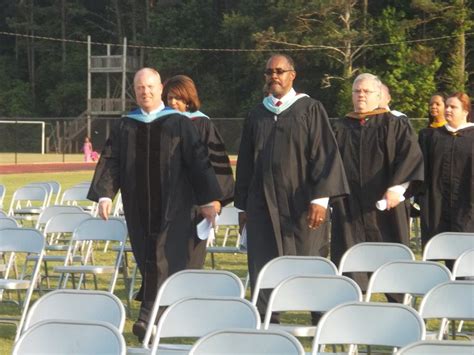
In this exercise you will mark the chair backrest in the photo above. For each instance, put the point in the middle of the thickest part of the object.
(384, 324)
(2, 194)
(369, 256)
(70, 337)
(229, 216)
(317, 293)
(278, 269)
(3, 214)
(48, 187)
(26, 241)
(247, 341)
(194, 283)
(448, 246)
(97, 229)
(77, 305)
(8, 222)
(28, 194)
(56, 186)
(196, 317)
(65, 222)
(464, 264)
(54, 210)
(430, 347)
(451, 300)
(21, 240)
(76, 194)
(407, 276)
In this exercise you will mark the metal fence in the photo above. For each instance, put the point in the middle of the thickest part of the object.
(18, 141)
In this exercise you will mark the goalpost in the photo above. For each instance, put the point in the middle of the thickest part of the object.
(43, 130)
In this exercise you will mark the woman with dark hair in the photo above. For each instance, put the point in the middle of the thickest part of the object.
(180, 93)
(435, 116)
(449, 164)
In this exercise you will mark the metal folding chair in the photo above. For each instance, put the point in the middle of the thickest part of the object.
(20, 242)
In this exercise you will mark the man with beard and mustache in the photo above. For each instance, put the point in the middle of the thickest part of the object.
(384, 164)
(155, 157)
(288, 167)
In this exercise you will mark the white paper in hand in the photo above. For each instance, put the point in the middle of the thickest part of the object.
(204, 228)
(243, 238)
(382, 204)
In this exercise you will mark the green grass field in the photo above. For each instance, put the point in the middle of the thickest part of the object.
(234, 263)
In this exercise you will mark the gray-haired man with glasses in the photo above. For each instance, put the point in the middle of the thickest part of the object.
(384, 165)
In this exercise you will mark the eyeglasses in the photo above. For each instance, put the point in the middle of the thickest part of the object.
(277, 71)
(366, 92)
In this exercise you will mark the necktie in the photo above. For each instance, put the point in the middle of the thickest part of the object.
(278, 103)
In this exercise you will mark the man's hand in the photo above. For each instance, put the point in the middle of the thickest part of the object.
(316, 215)
(393, 199)
(105, 207)
(217, 206)
(242, 221)
(209, 213)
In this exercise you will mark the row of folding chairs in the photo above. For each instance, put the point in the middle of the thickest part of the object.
(29, 201)
(293, 293)
(97, 337)
(380, 324)
(77, 259)
(58, 223)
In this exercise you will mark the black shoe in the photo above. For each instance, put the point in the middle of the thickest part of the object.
(139, 329)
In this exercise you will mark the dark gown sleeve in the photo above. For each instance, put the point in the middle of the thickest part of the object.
(424, 138)
(218, 157)
(106, 180)
(408, 158)
(245, 166)
(201, 173)
(327, 175)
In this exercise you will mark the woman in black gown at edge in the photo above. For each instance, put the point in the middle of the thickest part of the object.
(180, 93)
(450, 170)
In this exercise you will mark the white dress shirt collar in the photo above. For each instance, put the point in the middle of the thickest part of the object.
(453, 130)
(161, 107)
(288, 96)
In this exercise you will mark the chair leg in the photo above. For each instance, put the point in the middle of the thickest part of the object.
(213, 263)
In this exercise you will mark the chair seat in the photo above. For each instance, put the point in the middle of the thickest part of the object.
(58, 258)
(295, 329)
(163, 349)
(86, 269)
(57, 247)
(27, 213)
(174, 349)
(226, 250)
(131, 351)
(12, 284)
(166, 349)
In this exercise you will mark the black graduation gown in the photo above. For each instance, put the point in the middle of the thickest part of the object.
(162, 170)
(378, 152)
(424, 137)
(282, 165)
(450, 181)
(219, 159)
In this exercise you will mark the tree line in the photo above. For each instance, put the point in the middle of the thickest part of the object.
(417, 47)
